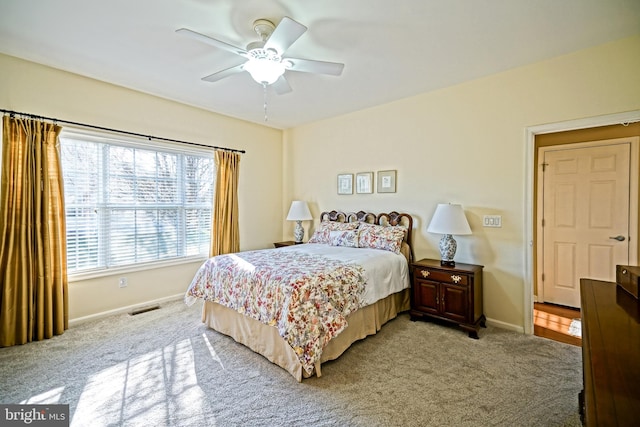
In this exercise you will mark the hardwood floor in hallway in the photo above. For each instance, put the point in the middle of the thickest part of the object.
(555, 322)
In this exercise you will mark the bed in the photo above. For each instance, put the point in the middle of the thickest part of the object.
(302, 305)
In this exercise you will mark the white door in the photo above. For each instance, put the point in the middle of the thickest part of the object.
(585, 217)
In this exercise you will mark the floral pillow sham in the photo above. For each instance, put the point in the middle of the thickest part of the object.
(322, 233)
(344, 238)
(381, 237)
(360, 235)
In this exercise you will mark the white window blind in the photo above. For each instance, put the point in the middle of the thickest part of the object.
(129, 203)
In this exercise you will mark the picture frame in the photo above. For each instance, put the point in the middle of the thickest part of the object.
(387, 181)
(364, 182)
(345, 183)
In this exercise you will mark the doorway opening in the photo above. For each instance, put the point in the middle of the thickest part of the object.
(579, 131)
(586, 213)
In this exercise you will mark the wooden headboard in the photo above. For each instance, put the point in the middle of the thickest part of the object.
(386, 219)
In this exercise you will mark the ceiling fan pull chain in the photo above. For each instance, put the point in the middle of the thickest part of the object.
(264, 85)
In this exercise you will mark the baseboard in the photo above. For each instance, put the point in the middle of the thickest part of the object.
(127, 309)
(505, 325)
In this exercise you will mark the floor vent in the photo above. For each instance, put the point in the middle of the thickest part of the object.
(144, 309)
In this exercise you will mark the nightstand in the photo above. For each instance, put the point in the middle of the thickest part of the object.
(452, 294)
(287, 243)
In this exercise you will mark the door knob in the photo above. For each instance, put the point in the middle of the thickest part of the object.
(618, 238)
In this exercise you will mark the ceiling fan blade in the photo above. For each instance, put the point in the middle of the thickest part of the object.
(311, 66)
(224, 73)
(211, 41)
(281, 86)
(285, 34)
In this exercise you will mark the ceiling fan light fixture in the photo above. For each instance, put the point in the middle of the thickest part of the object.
(264, 65)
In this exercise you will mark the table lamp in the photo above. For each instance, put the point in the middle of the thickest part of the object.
(299, 212)
(448, 219)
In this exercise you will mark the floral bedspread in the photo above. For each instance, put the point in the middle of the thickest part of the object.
(306, 296)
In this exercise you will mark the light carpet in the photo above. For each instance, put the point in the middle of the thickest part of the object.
(165, 368)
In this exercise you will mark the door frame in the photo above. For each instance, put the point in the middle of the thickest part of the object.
(529, 214)
(633, 200)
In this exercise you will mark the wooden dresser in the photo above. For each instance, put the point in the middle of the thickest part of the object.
(452, 294)
(610, 355)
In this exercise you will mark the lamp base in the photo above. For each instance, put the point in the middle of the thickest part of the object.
(298, 232)
(448, 248)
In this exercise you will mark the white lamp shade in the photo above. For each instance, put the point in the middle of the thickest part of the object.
(299, 211)
(449, 219)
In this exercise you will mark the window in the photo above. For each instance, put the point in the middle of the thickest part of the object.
(129, 203)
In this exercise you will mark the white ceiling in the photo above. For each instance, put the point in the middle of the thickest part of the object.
(391, 49)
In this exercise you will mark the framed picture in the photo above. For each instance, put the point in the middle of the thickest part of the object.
(345, 183)
(364, 182)
(386, 181)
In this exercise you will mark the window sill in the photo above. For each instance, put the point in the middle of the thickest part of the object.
(115, 271)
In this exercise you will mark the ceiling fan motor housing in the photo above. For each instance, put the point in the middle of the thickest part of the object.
(264, 65)
(264, 28)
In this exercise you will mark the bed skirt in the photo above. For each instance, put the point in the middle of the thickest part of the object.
(265, 340)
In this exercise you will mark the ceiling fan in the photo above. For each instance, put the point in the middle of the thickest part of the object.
(265, 60)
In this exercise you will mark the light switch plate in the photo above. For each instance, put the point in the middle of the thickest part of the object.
(492, 221)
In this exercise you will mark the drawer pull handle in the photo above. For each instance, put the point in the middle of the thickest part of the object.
(425, 273)
(455, 278)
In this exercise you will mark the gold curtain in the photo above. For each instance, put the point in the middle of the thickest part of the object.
(225, 234)
(33, 254)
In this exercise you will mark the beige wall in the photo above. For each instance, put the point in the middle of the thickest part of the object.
(32, 88)
(464, 144)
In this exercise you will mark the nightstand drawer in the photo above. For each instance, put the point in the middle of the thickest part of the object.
(441, 276)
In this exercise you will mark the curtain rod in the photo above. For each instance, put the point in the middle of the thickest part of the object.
(149, 137)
